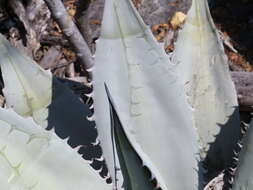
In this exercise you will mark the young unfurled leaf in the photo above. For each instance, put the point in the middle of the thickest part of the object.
(148, 99)
(203, 69)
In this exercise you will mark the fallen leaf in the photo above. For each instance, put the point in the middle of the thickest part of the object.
(177, 20)
(160, 31)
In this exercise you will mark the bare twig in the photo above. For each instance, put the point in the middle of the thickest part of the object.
(74, 36)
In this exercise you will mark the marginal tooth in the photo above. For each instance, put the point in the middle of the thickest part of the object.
(89, 84)
(77, 148)
(90, 161)
(100, 159)
(240, 145)
(107, 176)
(245, 124)
(231, 171)
(52, 130)
(91, 118)
(235, 159)
(236, 153)
(66, 140)
(231, 180)
(96, 142)
(143, 163)
(87, 101)
(243, 131)
(91, 106)
(100, 170)
(90, 95)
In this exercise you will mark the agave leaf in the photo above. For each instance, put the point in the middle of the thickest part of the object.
(135, 175)
(33, 158)
(203, 68)
(147, 98)
(31, 91)
(243, 179)
(28, 96)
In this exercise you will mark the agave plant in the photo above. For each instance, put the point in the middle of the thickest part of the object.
(140, 83)
(149, 111)
(203, 68)
(199, 69)
(43, 101)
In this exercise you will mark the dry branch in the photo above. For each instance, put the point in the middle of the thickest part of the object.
(69, 28)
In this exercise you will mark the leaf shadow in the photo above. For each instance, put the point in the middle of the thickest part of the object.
(135, 174)
(221, 152)
(68, 117)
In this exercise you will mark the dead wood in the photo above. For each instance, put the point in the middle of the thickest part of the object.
(72, 33)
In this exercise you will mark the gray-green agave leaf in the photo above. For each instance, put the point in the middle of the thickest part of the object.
(33, 158)
(33, 92)
(243, 179)
(27, 87)
(147, 97)
(202, 67)
(135, 175)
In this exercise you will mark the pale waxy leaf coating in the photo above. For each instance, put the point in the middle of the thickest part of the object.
(32, 158)
(27, 87)
(203, 68)
(33, 92)
(148, 99)
(135, 175)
